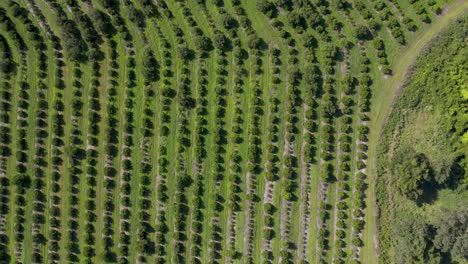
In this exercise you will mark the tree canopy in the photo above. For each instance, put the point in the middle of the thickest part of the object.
(452, 233)
(411, 170)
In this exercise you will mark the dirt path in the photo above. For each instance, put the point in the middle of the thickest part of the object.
(381, 107)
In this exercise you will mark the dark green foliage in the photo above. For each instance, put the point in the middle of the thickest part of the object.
(202, 43)
(309, 41)
(136, 16)
(7, 64)
(221, 42)
(103, 23)
(412, 171)
(185, 53)
(73, 42)
(296, 20)
(411, 240)
(229, 22)
(363, 33)
(460, 247)
(110, 4)
(23, 181)
(266, 7)
(283, 3)
(254, 42)
(452, 233)
(150, 66)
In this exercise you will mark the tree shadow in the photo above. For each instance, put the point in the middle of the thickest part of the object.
(430, 193)
(456, 175)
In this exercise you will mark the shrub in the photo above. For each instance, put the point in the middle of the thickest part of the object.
(150, 66)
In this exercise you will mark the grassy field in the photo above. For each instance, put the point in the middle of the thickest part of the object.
(229, 131)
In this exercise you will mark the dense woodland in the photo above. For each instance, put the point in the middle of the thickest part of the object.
(208, 131)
